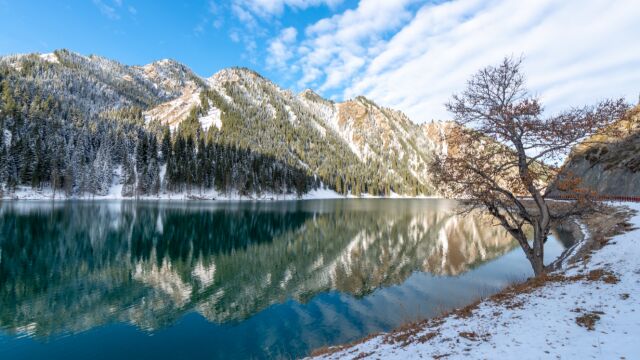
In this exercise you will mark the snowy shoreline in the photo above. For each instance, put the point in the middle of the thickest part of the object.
(25, 193)
(587, 309)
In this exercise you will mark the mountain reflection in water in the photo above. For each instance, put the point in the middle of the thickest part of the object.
(67, 267)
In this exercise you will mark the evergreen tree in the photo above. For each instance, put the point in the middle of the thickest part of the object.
(3, 160)
(128, 178)
(166, 146)
(103, 169)
(142, 163)
(153, 167)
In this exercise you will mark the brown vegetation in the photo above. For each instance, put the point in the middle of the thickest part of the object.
(589, 319)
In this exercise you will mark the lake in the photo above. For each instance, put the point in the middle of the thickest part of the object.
(235, 280)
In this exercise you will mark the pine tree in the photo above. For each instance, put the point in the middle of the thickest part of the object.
(201, 163)
(153, 168)
(3, 160)
(128, 178)
(103, 169)
(57, 167)
(166, 146)
(142, 163)
(339, 184)
(9, 106)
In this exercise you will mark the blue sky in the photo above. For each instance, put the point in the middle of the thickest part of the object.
(407, 54)
(198, 33)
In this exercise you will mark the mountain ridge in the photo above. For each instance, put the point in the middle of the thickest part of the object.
(353, 147)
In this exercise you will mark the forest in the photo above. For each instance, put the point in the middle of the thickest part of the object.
(48, 143)
(77, 127)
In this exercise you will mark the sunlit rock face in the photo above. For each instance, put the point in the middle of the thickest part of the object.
(608, 164)
(70, 267)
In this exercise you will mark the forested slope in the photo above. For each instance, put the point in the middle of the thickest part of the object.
(79, 125)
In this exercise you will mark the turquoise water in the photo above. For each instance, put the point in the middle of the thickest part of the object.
(227, 280)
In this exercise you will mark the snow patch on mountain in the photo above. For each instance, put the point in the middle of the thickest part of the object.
(50, 57)
(211, 118)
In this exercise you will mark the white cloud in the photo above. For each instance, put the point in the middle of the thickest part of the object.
(337, 48)
(257, 20)
(234, 35)
(216, 13)
(108, 10)
(576, 51)
(111, 8)
(270, 8)
(280, 49)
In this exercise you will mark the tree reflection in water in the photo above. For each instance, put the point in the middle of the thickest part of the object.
(67, 267)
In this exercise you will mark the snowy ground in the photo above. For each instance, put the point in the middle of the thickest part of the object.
(115, 193)
(542, 323)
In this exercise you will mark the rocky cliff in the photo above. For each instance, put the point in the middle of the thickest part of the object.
(609, 162)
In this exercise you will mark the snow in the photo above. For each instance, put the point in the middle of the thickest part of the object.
(212, 118)
(115, 189)
(50, 57)
(7, 137)
(115, 193)
(545, 325)
(291, 115)
(577, 246)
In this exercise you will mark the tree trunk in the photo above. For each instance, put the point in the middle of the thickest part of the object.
(537, 252)
(537, 262)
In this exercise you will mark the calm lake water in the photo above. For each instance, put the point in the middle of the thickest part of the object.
(123, 279)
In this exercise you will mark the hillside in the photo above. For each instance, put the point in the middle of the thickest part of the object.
(86, 125)
(609, 162)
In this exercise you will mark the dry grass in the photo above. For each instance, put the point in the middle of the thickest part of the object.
(441, 356)
(589, 319)
(602, 275)
(326, 350)
(408, 333)
(363, 355)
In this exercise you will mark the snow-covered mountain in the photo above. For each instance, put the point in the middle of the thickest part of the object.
(364, 136)
(352, 147)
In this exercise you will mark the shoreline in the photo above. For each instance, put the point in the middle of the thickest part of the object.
(212, 195)
(494, 325)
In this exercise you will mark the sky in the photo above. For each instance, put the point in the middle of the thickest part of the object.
(410, 55)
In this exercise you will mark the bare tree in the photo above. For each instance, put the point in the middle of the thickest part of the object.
(498, 145)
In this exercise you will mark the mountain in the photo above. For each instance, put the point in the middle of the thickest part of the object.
(87, 125)
(356, 139)
(609, 162)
